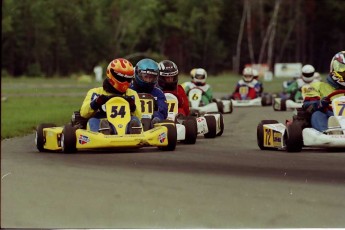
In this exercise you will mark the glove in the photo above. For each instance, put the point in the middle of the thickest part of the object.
(324, 102)
(131, 103)
(98, 102)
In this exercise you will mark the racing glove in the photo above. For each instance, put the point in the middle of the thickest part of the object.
(324, 103)
(131, 103)
(97, 103)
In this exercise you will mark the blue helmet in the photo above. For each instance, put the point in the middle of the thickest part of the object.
(146, 74)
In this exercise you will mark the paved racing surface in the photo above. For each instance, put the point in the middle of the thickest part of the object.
(225, 182)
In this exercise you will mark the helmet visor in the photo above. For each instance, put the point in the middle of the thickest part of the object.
(248, 78)
(199, 76)
(148, 76)
(120, 77)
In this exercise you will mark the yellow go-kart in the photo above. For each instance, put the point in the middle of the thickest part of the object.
(71, 138)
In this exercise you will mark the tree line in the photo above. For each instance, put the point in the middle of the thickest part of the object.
(62, 37)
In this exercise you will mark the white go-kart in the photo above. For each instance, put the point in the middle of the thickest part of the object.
(195, 103)
(298, 133)
(281, 104)
(210, 125)
(244, 91)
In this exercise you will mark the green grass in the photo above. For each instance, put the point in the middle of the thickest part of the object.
(31, 101)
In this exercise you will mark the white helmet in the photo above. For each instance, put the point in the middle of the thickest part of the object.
(255, 74)
(200, 77)
(308, 73)
(247, 74)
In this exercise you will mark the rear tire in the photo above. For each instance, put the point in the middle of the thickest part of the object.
(266, 99)
(40, 139)
(68, 139)
(260, 133)
(212, 127)
(191, 131)
(294, 137)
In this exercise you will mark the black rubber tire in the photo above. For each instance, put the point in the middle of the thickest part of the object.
(191, 131)
(221, 120)
(283, 105)
(68, 139)
(294, 137)
(260, 133)
(266, 100)
(212, 127)
(172, 138)
(40, 138)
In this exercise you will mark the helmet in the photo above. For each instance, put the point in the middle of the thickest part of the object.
(308, 73)
(255, 74)
(168, 75)
(248, 74)
(317, 76)
(120, 73)
(192, 73)
(200, 77)
(337, 68)
(146, 74)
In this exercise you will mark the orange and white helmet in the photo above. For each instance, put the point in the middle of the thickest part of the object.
(247, 74)
(120, 73)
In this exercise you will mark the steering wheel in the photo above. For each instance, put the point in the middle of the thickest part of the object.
(339, 91)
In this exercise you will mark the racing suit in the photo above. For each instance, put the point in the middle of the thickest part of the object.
(252, 94)
(313, 95)
(87, 112)
(294, 89)
(207, 93)
(161, 106)
(183, 104)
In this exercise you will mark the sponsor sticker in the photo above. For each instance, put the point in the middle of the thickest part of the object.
(83, 139)
(162, 137)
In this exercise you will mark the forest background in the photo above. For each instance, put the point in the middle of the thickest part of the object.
(62, 37)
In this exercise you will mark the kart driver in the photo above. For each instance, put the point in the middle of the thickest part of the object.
(146, 77)
(314, 94)
(248, 81)
(199, 81)
(308, 77)
(119, 76)
(168, 82)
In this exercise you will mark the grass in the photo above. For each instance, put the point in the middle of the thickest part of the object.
(31, 101)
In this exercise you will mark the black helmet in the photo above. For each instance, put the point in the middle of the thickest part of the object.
(168, 75)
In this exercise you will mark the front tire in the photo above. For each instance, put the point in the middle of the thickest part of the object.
(294, 137)
(172, 138)
(68, 139)
(191, 131)
(260, 133)
(40, 139)
(212, 127)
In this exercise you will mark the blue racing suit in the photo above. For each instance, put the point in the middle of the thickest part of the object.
(161, 106)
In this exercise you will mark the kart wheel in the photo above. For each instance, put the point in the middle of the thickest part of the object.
(221, 124)
(191, 131)
(260, 133)
(220, 106)
(231, 107)
(40, 139)
(266, 100)
(146, 122)
(283, 105)
(212, 127)
(68, 139)
(172, 138)
(294, 138)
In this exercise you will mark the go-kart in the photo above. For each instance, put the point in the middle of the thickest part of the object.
(264, 100)
(73, 136)
(298, 133)
(186, 130)
(217, 105)
(283, 104)
(210, 125)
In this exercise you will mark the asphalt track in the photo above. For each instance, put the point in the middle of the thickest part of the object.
(225, 182)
